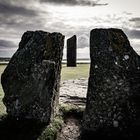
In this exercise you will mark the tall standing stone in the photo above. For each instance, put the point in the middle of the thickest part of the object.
(113, 98)
(71, 51)
(31, 79)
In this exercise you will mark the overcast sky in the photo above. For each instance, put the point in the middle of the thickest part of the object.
(69, 17)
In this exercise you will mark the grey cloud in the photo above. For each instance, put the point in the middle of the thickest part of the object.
(136, 47)
(16, 17)
(132, 33)
(71, 2)
(127, 13)
(14, 13)
(76, 2)
(6, 44)
(15, 26)
(7, 48)
(7, 8)
(83, 41)
(7, 53)
(136, 21)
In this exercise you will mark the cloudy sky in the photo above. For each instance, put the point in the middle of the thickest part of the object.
(68, 17)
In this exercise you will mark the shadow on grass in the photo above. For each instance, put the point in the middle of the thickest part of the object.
(22, 129)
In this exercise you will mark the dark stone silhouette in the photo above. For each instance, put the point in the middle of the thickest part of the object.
(113, 98)
(31, 80)
(71, 51)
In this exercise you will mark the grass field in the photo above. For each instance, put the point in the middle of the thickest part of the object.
(81, 71)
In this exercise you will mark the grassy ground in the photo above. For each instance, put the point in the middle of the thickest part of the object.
(81, 71)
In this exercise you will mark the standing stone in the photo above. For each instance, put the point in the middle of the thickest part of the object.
(31, 79)
(71, 51)
(113, 98)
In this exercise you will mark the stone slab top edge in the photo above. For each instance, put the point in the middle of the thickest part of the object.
(74, 36)
(42, 32)
(109, 29)
(115, 30)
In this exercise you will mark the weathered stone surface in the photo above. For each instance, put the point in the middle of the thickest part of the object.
(31, 79)
(71, 51)
(113, 98)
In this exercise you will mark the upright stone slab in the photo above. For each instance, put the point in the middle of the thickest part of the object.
(71, 51)
(113, 98)
(32, 78)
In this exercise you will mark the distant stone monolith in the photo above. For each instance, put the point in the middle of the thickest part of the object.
(113, 98)
(71, 51)
(32, 78)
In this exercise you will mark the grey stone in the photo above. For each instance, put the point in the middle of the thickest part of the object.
(113, 97)
(31, 80)
(71, 51)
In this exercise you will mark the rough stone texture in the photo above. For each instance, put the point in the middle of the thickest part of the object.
(113, 98)
(74, 92)
(31, 80)
(71, 51)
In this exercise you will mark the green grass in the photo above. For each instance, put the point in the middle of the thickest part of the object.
(51, 131)
(81, 71)
(67, 110)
